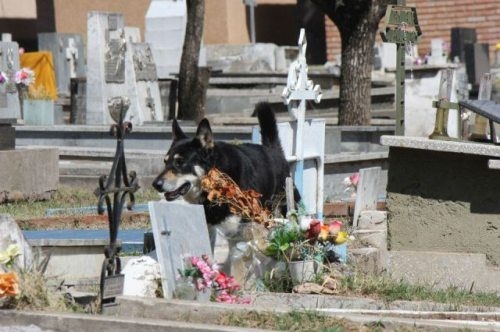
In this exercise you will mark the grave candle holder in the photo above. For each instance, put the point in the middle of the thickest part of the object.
(111, 278)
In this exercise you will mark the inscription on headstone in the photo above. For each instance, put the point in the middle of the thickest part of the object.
(10, 87)
(114, 60)
(142, 80)
(144, 66)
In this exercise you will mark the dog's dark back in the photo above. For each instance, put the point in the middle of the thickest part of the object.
(261, 167)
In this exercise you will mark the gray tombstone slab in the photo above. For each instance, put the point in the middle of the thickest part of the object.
(179, 230)
(106, 53)
(144, 91)
(9, 98)
(68, 56)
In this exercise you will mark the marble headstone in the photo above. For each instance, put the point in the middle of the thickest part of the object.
(9, 97)
(165, 25)
(68, 56)
(144, 92)
(106, 52)
(180, 231)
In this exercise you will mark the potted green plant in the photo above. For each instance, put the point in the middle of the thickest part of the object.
(288, 244)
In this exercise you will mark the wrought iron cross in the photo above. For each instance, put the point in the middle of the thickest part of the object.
(111, 277)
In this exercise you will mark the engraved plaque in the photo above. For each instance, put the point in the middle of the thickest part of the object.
(10, 86)
(144, 66)
(113, 286)
(113, 22)
(114, 63)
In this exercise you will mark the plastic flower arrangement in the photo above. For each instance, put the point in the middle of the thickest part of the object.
(25, 76)
(351, 184)
(207, 278)
(302, 237)
(3, 78)
(8, 280)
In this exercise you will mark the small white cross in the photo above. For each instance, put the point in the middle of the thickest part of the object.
(298, 90)
(72, 57)
(299, 87)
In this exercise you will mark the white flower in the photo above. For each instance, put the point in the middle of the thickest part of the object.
(8, 255)
(305, 223)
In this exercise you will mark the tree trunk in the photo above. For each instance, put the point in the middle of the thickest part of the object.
(355, 75)
(357, 21)
(192, 86)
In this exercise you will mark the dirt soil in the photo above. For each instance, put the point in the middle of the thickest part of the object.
(130, 220)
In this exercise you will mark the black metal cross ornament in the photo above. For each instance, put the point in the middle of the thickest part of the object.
(111, 278)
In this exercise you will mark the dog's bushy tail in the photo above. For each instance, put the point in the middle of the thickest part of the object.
(268, 126)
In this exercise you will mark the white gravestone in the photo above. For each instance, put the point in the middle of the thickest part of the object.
(9, 97)
(179, 230)
(68, 56)
(144, 92)
(165, 28)
(306, 146)
(106, 52)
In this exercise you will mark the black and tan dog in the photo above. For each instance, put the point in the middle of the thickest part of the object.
(262, 168)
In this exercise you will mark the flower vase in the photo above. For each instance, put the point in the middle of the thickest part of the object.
(185, 289)
(302, 271)
(203, 295)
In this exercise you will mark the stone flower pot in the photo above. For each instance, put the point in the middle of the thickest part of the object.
(302, 271)
(38, 112)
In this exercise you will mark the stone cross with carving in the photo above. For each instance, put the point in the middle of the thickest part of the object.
(72, 57)
(298, 91)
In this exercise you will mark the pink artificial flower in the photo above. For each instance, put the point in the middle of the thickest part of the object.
(3, 78)
(354, 178)
(335, 227)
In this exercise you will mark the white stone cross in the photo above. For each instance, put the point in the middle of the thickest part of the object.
(298, 90)
(72, 57)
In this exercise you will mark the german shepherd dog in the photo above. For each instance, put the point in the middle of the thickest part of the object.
(262, 168)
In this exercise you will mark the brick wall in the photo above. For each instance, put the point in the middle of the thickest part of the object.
(436, 18)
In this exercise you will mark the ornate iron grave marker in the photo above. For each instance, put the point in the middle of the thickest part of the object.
(401, 27)
(111, 278)
(298, 91)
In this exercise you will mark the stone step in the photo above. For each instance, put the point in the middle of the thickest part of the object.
(467, 271)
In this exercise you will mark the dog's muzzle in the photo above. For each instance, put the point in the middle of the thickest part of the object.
(172, 195)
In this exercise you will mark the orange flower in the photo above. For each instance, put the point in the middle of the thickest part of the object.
(8, 284)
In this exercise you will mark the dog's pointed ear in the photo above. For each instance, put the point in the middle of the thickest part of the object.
(204, 134)
(177, 132)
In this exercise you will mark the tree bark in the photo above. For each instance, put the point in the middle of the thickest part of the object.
(357, 21)
(192, 80)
